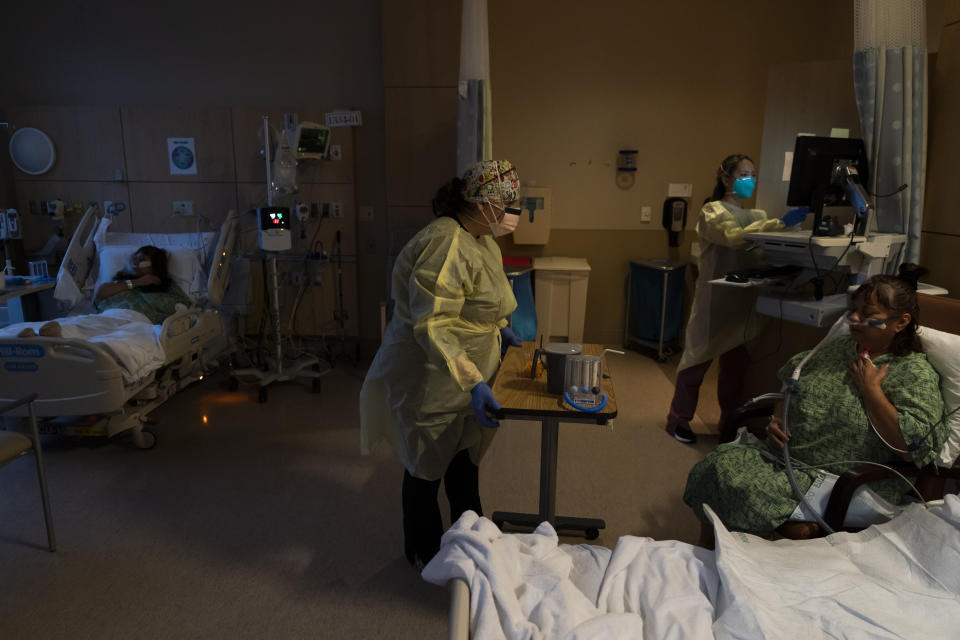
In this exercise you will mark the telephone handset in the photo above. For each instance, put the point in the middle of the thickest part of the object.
(674, 218)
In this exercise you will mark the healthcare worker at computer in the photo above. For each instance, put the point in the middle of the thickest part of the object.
(722, 317)
(426, 391)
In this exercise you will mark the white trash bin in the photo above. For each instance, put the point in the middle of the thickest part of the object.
(561, 298)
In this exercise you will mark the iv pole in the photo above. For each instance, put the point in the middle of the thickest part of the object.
(275, 372)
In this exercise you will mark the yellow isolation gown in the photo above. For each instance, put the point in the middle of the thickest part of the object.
(723, 317)
(451, 298)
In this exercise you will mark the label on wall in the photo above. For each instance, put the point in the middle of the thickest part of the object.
(182, 156)
(343, 119)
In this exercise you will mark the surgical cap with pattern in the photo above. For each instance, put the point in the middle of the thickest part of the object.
(491, 181)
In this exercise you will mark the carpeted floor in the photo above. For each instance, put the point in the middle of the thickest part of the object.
(263, 520)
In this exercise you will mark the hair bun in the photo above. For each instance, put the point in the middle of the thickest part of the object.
(911, 273)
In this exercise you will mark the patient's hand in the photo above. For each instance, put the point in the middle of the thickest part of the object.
(146, 281)
(776, 437)
(866, 375)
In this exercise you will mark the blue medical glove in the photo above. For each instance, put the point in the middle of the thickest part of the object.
(482, 400)
(795, 216)
(508, 339)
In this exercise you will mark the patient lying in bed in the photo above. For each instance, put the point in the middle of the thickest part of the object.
(145, 287)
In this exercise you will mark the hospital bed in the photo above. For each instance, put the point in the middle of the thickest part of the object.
(899, 578)
(122, 376)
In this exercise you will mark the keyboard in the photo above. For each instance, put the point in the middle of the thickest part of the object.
(759, 273)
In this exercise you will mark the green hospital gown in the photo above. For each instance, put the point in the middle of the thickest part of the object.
(156, 305)
(748, 488)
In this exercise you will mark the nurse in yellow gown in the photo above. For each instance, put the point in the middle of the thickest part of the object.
(722, 318)
(427, 391)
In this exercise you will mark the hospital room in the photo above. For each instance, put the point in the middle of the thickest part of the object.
(480, 319)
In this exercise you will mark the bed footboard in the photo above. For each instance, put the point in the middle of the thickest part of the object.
(71, 377)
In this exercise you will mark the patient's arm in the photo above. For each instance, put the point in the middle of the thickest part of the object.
(879, 409)
(108, 289)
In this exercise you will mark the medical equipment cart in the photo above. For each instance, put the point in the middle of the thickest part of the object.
(655, 305)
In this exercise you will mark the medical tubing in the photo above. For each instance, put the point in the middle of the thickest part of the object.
(788, 389)
(569, 400)
(788, 467)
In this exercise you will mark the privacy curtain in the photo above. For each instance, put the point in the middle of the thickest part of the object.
(890, 81)
(474, 135)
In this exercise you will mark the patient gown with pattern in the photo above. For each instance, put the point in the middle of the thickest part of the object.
(452, 298)
(746, 485)
(156, 305)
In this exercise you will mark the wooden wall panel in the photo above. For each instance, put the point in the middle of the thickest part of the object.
(151, 205)
(941, 211)
(247, 128)
(808, 97)
(88, 141)
(38, 226)
(952, 12)
(421, 43)
(939, 254)
(421, 143)
(146, 129)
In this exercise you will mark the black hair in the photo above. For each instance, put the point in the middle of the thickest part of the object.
(449, 200)
(725, 170)
(899, 295)
(158, 266)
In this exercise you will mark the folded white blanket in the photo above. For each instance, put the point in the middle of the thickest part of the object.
(527, 586)
(127, 335)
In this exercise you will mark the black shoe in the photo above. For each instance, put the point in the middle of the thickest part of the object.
(683, 434)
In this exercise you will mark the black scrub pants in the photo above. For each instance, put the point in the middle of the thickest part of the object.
(422, 524)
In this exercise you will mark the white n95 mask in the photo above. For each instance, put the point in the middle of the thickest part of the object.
(506, 226)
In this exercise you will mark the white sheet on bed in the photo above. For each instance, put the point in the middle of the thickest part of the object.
(127, 335)
(900, 579)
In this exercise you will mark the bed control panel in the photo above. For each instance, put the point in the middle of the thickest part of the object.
(274, 228)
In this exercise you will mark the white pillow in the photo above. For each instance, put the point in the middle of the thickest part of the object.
(943, 352)
(182, 265)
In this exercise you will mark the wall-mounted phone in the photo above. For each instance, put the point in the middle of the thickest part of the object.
(674, 218)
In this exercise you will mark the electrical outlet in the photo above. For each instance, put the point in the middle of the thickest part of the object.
(336, 210)
(182, 207)
(645, 214)
(335, 153)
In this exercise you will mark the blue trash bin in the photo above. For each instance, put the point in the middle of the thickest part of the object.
(523, 320)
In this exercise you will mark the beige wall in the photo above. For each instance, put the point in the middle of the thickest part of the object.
(210, 56)
(685, 83)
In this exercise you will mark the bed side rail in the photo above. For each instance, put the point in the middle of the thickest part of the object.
(189, 330)
(219, 267)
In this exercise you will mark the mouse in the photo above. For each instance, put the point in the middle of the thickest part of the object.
(736, 277)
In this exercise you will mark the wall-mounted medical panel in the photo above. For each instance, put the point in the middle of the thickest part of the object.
(39, 225)
(152, 206)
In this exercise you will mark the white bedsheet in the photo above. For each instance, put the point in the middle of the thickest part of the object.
(127, 335)
(900, 579)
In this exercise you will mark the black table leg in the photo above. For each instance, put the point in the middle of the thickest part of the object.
(549, 443)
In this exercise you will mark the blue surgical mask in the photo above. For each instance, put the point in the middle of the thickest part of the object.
(743, 187)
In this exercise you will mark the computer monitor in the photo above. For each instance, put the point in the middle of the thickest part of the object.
(819, 177)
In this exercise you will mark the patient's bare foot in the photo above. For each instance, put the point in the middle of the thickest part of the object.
(27, 333)
(51, 330)
(799, 530)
